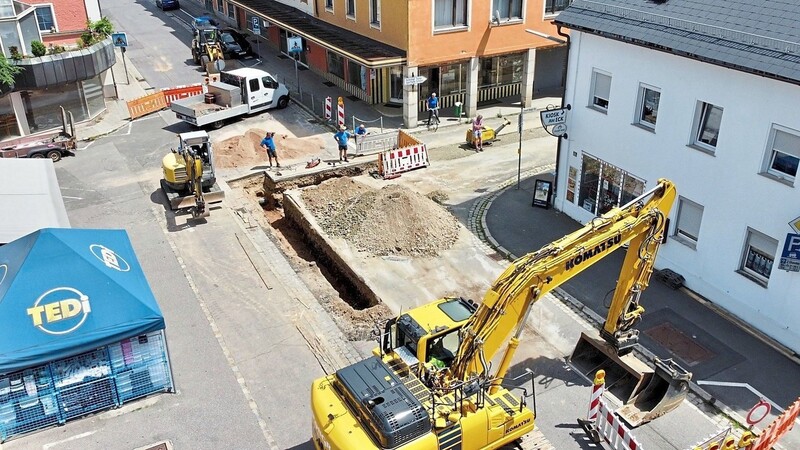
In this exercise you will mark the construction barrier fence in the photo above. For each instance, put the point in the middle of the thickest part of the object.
(157, 101)
(395, 162)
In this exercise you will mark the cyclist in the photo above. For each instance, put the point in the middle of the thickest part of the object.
(433, 108)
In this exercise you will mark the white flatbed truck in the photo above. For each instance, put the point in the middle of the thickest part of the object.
(238, 92)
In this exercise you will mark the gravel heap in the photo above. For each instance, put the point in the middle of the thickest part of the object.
(388, 221)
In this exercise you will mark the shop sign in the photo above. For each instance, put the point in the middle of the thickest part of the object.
(790, 257)
(553, 116)
(109, 257)
(559, 129)
(57, 311)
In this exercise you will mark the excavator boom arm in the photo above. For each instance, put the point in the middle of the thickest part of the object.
(641, 223)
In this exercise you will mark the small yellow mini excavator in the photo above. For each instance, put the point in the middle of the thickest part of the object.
(189, 181)
(431, 384)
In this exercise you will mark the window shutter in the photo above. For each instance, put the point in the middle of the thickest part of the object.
(602, 86)
(691, 217)
(763, 243)
(787, 143)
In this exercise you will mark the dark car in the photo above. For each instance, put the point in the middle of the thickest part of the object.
(168, 4)
(241, 48)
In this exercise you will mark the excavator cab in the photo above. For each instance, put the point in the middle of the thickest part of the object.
(189, 178)
(646, 392)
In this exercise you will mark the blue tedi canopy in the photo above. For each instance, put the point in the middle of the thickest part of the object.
(65, 291)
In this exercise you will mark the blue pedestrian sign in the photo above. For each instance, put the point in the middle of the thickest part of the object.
(294, 44)
(790, 257)
(119, 39)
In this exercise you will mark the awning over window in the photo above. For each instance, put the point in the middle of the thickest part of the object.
(365, 51)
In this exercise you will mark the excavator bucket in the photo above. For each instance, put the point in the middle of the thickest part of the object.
(188, 201)
(646, 393)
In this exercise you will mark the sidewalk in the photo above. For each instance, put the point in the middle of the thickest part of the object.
(677, 324)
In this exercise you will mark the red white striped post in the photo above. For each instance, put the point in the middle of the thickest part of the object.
(597, 392)
(327, 108)
(340, 112)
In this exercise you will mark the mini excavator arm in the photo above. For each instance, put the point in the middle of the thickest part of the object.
(506, 305)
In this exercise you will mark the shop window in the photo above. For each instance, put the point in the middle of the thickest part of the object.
(351, 7)
(555, 6)
(453, 79)
(449, 14)
(647, 106)
(707, 123)
(783, 155)
(690, 215)
(604, 186)
(500, 70)
(375, 12)
(601, 90)
(42, 106)
(44, 17)
(93, 95)
(336, 65)
(8, 120)
(758, 256)
(354, 74)
(231, 11)
(505, 10)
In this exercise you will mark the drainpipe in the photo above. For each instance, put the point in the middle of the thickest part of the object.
(563, 99)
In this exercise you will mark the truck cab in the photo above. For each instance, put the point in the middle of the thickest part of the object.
(259, 89)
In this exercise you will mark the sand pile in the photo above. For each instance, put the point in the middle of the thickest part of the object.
(244, 151)
(388, 221)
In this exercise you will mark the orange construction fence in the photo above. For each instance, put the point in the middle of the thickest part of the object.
(159, 100)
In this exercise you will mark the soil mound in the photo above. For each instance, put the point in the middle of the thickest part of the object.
(240, 151)
(388, 221)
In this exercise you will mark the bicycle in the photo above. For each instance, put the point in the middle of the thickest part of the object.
(433, 114)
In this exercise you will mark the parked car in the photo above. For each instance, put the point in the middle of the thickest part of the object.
(240, 39)
(168, 4)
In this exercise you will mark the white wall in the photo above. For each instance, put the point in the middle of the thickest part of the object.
(727, 184)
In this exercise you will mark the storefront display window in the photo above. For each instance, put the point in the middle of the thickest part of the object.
(500, 70)
(604, 186)
(336, 65)
(453, 79)
(354, 73)
(41, 106)
(93, 95)
(8, 120)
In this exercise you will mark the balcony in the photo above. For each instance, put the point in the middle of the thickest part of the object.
(64, 68)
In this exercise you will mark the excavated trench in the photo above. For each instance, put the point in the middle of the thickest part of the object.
(341, 291)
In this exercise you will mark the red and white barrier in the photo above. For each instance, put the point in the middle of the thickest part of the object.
(393, 162)
(340, 112)
(603, 424)
(779, 427)
(327, 108)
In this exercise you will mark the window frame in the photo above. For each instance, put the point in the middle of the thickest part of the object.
(510, 18)
(375, 14)
(350, 9)
(749, 272)
(551, 12)
(641, 100)
(593, 91)
(52, 16)
(770, 153)
(679, 233)
(452, 26)
(329, 5)
(702, 113)
(231, 10)
(221, 6)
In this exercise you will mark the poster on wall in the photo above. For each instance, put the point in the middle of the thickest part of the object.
(541, 193)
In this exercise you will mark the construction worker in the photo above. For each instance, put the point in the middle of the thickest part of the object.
(341, 139)
(268, 144)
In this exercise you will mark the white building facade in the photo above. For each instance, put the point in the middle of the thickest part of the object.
(727, 137)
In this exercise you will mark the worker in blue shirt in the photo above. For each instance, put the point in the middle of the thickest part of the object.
(341, 138)
(361, 130)
(268, 144)
(433, 107)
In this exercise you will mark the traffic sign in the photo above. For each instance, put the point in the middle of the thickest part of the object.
(294, 44)
(256, 25)
(790, 257)
(553, 116)
(411, 81)
(119, 39)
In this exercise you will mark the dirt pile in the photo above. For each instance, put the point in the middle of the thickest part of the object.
(241, 151)
(388, 221)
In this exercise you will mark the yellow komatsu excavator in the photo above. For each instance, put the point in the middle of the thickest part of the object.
(430, 385)
(189, 179)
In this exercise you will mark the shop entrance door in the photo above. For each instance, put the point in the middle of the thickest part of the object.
(396, 85)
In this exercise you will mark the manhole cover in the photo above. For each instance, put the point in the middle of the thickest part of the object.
(166, 445)
(678, 343)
